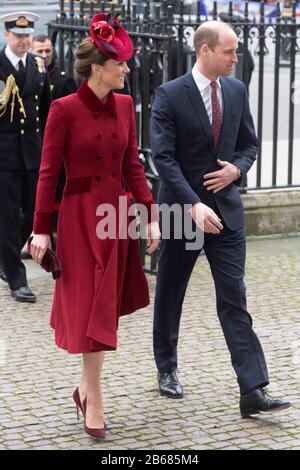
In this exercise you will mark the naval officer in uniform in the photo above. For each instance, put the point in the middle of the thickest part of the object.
(24, 104)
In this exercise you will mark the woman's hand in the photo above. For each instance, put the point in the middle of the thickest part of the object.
(39, 245)
(153, 237)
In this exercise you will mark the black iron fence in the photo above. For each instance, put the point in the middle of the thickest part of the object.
(162, 37)
(162, 34)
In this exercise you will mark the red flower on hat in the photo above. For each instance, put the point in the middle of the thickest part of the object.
(104, 31)
(110, 37)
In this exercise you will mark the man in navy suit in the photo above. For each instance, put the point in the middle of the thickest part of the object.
(203, 141)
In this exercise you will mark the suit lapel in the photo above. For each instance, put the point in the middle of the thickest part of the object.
(30, 78)
(199, 107)
(226, 114)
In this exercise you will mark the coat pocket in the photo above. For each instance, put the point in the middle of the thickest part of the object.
(81, 184)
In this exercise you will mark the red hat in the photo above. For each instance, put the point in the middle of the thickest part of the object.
(109, 36)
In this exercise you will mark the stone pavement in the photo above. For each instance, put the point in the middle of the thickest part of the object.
(37, 379)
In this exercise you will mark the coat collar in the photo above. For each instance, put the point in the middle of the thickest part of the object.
(30, 80)
(93, 103)
(52, 68)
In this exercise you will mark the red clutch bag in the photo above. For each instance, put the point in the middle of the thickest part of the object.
(50, 261)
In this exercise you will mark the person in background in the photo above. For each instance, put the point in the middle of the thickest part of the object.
(24, 105)
(60, 83)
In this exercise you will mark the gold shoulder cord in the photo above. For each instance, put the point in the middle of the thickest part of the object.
(11, 88)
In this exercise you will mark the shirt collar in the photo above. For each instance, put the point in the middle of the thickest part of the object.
(201, 80)
(13, 58)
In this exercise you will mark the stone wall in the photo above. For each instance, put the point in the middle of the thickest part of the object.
(275, 212)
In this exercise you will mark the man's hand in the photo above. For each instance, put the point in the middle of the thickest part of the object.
(219, 179)
(205, 218)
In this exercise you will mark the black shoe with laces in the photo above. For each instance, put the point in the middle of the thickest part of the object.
(23, 294)
(169, 385)
(258, 401)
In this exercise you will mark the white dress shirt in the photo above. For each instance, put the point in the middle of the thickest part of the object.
(14, 59)
(203, 84)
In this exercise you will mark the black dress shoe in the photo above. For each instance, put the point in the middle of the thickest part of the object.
(169, 385)
(258, 401)
(3, 275)
(23, 294)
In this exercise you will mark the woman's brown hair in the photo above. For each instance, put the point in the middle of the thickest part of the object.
(87, 54)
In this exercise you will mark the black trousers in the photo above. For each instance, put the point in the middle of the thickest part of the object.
(17, 202)
(226, 256)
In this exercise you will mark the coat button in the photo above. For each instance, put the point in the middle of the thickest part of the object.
(37, 131)
(22, 121)
(37, 119)
(114, 135)
(98, 178)
(37, 108)
(99, 137)
(22, 131)
(36, 97)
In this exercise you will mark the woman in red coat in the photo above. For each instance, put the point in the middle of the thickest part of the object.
(93, 133)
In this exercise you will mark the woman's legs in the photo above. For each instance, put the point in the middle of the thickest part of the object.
(90, 388)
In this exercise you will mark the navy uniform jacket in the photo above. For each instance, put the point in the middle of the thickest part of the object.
(183, 146)
(21, 140)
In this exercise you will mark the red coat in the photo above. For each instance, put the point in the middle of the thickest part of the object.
(101, 279)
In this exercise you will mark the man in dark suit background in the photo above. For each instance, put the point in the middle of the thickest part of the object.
(25, 101)
(61, 84)
(203, 141)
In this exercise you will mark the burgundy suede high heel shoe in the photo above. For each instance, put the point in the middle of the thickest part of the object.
(99, 433)
(77, 401)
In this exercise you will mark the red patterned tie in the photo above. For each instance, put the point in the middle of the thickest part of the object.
(216, 114)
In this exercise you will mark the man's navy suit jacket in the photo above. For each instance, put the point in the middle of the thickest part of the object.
(183, 146)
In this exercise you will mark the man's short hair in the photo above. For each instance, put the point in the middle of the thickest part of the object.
(205, 35)
(40, 38)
